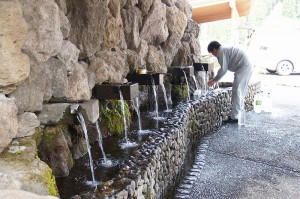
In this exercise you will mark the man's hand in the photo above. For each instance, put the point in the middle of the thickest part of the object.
(211, 82)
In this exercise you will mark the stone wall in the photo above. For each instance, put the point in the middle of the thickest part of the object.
(158, 162)
(57, 50)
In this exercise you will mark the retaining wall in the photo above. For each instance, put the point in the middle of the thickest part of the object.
(157, 163)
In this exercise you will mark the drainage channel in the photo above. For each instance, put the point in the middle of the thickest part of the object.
(193, 171)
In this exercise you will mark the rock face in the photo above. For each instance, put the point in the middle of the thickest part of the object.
(54, 150)
(8, 121)
(13, 194)
(14, 65)
(20, 167)
(57, 50)
(27, 123)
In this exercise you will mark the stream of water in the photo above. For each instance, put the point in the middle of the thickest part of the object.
(187, 84)
(165, 96)
(126, 143)
(84, 129)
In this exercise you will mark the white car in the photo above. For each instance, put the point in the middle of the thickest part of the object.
(283, 62)
(278, 52)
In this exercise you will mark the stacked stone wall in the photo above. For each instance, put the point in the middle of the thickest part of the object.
(158, 162)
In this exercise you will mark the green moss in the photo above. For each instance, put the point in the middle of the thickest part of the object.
(148, 193)
(49, 180)
(179, 91)
(112, 116)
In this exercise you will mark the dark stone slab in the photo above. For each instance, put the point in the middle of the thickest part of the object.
(111, 91)
(146, 79)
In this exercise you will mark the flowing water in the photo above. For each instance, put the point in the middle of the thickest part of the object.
(197, 91)
(127, 143)
(155, 97)
(165, 96)
(106, 162)
(76, 182)
(136, 106)
(84, 129)
(187, 84)
(205, 85)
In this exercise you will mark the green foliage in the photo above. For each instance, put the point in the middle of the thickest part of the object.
(291, 9)
(112, 117)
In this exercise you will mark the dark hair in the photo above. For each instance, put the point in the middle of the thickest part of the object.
(213, 45)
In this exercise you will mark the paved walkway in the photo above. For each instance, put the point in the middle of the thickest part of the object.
(260, 160)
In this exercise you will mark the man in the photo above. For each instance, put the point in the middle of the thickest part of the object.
(234, 60)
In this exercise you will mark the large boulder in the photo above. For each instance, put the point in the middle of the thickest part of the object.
(87, 25)
(156, 60)
(14, 65)
(113, 32)
(132, 20)
(109, 66)
(19, 165)
(27, 123)
(44, 37)
(182, 56)
(54, 150)
(185, 7)
(67, 79)
(137, 58)
(8, 121)
(43, 40)
(155, 29)
(30, 94)
(57, 113)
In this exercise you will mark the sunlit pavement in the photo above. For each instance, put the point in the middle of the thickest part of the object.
(259, 160)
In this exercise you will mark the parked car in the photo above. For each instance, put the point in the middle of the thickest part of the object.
(282, 61)
(279, 53)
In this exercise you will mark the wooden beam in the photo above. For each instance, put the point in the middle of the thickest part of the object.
(207, 11)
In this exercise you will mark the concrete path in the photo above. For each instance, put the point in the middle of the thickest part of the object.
(259, 160)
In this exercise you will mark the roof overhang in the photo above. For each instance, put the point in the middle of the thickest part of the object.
(214, 10)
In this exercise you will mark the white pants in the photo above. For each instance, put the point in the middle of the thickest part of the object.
(239, 89)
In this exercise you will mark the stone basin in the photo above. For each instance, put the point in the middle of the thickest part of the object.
(111, 91)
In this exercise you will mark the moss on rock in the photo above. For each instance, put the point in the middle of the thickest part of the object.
(179, 92)
(27, 169)
(111, 117)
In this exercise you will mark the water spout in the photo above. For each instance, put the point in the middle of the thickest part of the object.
(127, 143)
(197, 90)
(187, 84)
(84, 129)
(137, 110)
(100, 142)
(155, 97)
(124, 116)
(165, 96)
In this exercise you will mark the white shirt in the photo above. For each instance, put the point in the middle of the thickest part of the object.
(232, 59)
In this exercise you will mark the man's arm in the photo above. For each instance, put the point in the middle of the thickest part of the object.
(223, 61)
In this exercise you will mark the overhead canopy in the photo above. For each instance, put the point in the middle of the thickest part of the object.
(213, 10)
